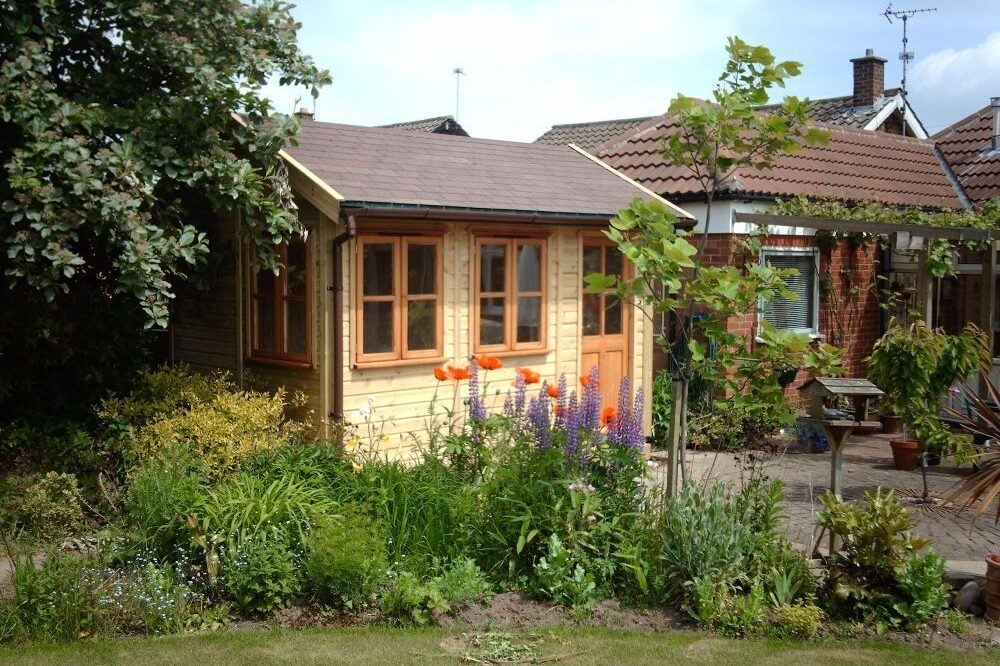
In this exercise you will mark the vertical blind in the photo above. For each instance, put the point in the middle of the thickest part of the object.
(786, 313)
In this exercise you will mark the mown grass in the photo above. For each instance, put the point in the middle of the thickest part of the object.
(435, 646)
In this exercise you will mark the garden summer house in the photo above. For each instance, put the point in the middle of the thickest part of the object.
(423, 249)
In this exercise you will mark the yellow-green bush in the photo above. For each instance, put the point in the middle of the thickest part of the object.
(50, 507)
(160, 393)
(802, 620)
(224, 430)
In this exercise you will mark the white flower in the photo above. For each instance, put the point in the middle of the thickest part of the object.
(364, 410)
(371, 401)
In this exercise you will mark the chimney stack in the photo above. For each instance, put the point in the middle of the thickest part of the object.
(304, 114)
(995, 106)
(869, 79)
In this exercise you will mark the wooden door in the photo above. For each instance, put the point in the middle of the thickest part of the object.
(604, 320)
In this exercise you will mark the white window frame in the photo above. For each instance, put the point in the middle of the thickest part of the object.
(771, 251)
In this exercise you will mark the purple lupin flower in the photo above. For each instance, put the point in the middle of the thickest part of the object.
(477, 406)
(590, 403)
(520, 395)
(561, 402)
(571, 415)
(538, 417)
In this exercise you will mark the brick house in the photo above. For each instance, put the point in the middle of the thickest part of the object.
(878, 151)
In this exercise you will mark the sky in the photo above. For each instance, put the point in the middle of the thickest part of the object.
(532, 64)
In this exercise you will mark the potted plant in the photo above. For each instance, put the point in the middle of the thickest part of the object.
(982, 487)
(915, 365)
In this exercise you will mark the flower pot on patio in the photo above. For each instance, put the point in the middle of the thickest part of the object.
(891, 424)
(905, 453)
(993, 586)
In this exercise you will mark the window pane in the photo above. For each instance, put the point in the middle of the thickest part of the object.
(421, 269)
(788, 313)
(265, 324)
(265, 282)
(612, 315)
(378, 328)
(491, 321)
(591, 259)
(295, 264)
(492, 268)
(529, 319)
(529, 268)
(378, 266)
(591, 314)
(421, 325)
(613, 261)
(295, 328)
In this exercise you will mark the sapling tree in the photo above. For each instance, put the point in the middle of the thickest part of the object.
(713, 140)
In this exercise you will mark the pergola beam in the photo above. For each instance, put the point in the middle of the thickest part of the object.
(827, 224)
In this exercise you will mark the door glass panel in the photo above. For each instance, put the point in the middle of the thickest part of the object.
(612, 261)
(295, 332)
(378, 269)
(295, 264)
(529, 268)
(421, 325)
(491, 321)
(591, 314)
(378, 327)
(492, 268)
(612, 315)
(529, 319)
(265, 323)
(421, 269)
(591, 259)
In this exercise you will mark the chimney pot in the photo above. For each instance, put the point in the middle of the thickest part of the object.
(304, 114)
(995, 105)
(869, 79)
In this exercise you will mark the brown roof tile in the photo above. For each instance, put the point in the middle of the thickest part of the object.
(856, 165)
(393, 167)
(966, 147)
(436, 125)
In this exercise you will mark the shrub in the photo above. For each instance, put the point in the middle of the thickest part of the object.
(802, 620)
(463, 583)
(162, 492)
(56, 600)
(50, 507)
(730, 614)
(346, 561)
(159, 393)
(559, 576)
(730, 428)
(59, 446)
(408, 598)
(877, 576)
(262, 573)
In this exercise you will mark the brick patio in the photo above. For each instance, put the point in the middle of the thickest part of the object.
(962, 537)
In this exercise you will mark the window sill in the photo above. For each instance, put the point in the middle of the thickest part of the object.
(515, 353)
(281, 363)
(393, 363)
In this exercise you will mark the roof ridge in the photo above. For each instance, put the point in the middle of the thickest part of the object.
(418, 120)
(954, 127)
(589, 123)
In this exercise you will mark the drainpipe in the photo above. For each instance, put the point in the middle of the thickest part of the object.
(995, 106)
(338, 318)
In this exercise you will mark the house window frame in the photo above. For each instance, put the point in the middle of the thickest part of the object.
(400, 299)
(280, 355)
(510, 294)
(770, 251)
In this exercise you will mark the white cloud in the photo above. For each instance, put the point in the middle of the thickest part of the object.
(949, 84)
(527, 66)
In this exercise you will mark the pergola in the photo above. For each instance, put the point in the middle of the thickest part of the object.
(907, 236)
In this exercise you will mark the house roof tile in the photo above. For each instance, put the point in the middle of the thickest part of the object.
(393, 167)
(436, 125)
(856, 165)
(966, 147)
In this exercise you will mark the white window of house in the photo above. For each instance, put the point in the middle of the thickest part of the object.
(802, 313)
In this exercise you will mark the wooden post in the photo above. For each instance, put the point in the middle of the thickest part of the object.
(988, 295)
(673, 447)
(925, 286)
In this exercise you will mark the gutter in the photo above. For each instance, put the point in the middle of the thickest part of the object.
(350, 231)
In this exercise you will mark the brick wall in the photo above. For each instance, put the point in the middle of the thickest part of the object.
(849, 313)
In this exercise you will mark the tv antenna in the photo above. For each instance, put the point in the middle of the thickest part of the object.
(459, 73)
(904, 15)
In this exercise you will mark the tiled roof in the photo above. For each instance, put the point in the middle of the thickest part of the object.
(384, 167)
(832, 110)
(856, 165)
(437, 125)
(965, 146)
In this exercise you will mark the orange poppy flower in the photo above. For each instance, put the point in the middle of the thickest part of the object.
(608, 415)
(488, 362)
(556, 409)
(553, 391)
(584, 380)
(440, 374)
(530, 376)
(458, 374)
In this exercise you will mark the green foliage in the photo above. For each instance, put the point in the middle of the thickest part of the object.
(729, 614)
(55, 601)
(345, 560)
(462, 582)
(730, 428)
(110, 168)
(160, 393)
(561, 577)
(49, 507)
(56, 446)
(411, 599)
(957, 622)
(878, 576)
(262, 573)
(661, 405)
(802, 621)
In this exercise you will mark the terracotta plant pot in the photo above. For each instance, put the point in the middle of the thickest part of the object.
(891, 424)
(905, 453)
(993, 586)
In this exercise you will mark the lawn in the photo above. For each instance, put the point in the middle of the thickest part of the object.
(435, 646)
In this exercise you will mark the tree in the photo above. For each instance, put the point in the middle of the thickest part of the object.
(116, 131)
(118, 145)
(713, 140)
